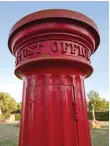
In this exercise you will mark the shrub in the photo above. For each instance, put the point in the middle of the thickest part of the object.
(17, 117)
(100, 116)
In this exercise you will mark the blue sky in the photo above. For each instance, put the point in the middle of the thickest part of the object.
(10, 12)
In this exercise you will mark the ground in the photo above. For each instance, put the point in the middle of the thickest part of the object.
(9, 135)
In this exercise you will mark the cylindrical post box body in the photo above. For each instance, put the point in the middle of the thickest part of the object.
(52, 50)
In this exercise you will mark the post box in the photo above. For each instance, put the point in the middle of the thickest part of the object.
(52, 50)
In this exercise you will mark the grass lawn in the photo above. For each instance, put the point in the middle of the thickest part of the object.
(9, 135)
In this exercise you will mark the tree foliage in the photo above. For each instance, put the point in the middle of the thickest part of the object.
(18, 110)
(7, 103)
(100, 104)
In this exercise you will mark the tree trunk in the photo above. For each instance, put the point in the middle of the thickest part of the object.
(93, 114)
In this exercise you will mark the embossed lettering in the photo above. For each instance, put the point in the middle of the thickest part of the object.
(36, 47)
(81, 51)
(54, 47)
(86, 54)
(30, 52)
(73, 49)
(38, 50)
(65, 47)
(41, 45)
(24, 53)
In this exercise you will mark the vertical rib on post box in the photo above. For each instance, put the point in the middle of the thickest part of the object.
(52, 50)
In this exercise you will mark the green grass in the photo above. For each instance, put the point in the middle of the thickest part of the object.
(100, 137)
(9, 135)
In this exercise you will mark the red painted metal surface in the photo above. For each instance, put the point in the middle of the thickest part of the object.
(52, 50)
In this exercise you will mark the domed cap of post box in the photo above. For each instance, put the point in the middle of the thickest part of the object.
(57, 13)
(55, 35)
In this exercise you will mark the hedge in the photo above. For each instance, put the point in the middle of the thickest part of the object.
(100, 116)
(17, 117)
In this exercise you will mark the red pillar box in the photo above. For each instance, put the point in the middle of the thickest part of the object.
(52, 50)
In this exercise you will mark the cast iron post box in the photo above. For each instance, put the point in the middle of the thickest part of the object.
(52, 50)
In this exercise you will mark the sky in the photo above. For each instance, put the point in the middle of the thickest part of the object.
(11, 12)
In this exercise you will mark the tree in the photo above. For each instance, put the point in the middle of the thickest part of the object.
(91, 108)
(8, 104)
(93, 95)
(100, 104)
(0, 108)
(18, 109)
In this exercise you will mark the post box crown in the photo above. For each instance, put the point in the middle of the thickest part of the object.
(57, 13)
(54, 35)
